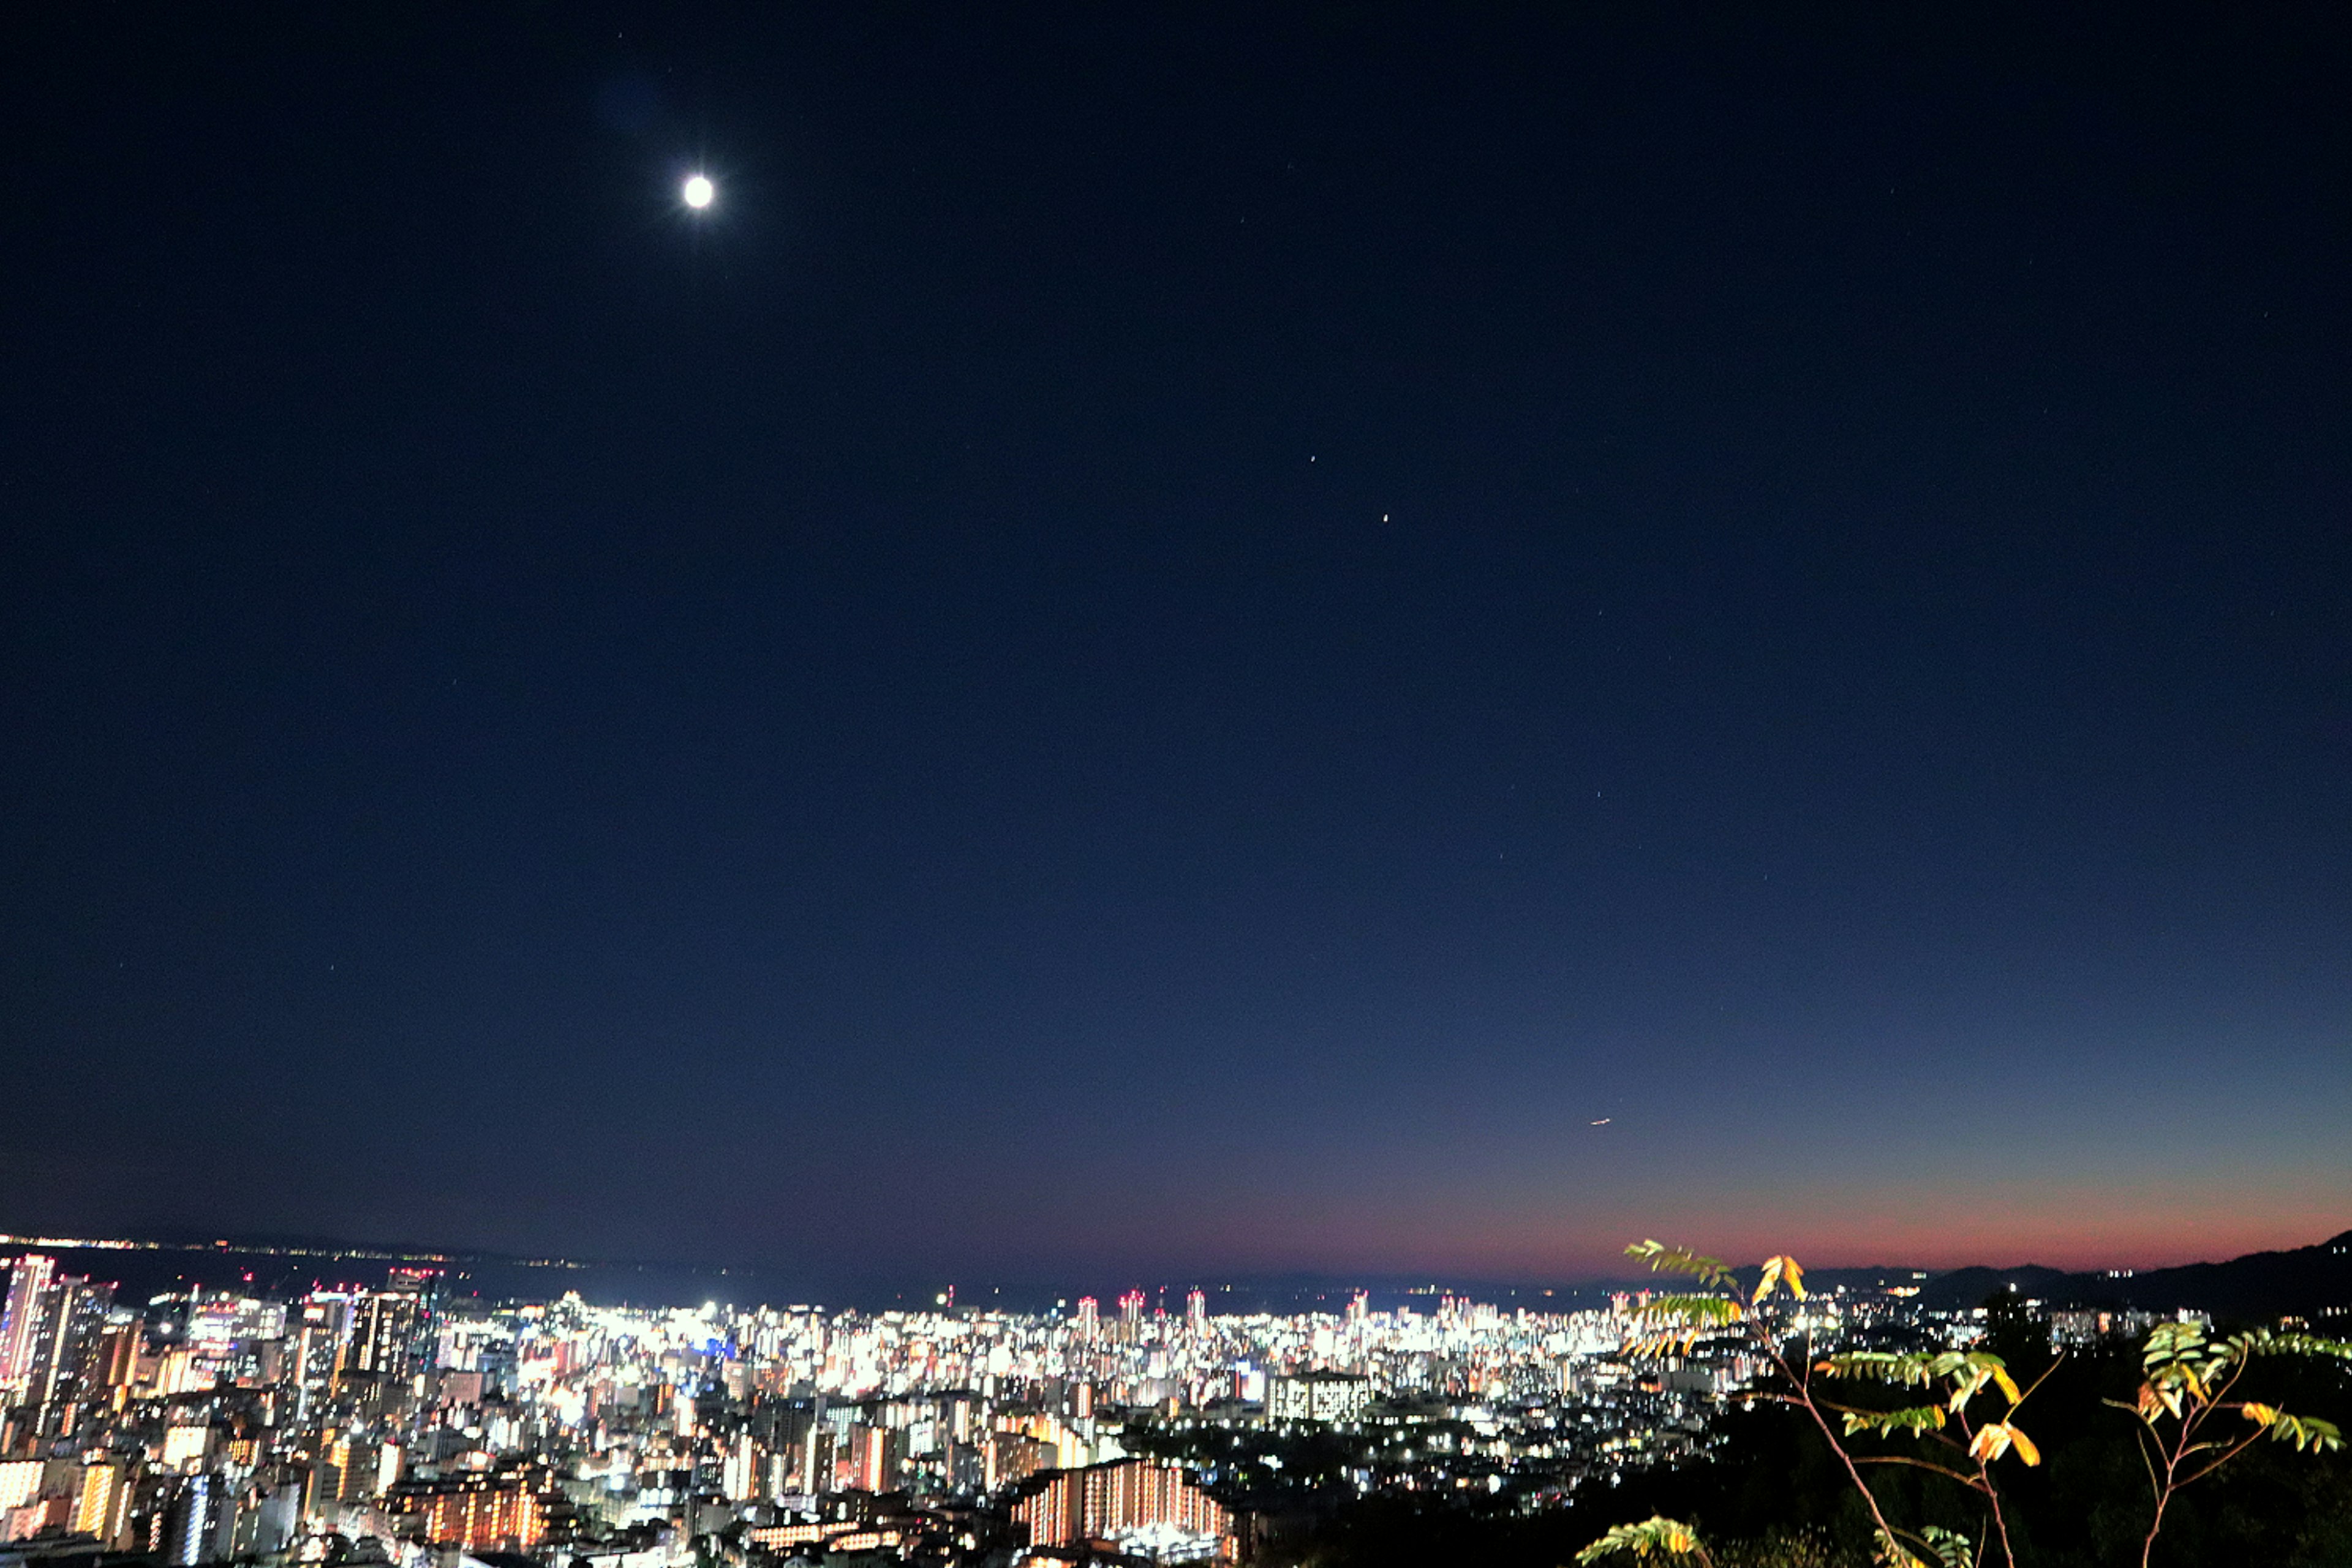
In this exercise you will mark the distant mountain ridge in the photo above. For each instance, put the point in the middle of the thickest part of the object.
(2312, 1282)
(2303, 1281)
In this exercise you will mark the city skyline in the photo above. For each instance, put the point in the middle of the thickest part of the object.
(2294, 1280)
(1172, 644)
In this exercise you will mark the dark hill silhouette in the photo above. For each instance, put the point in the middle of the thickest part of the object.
(1968, 1287)
(2314, 1282)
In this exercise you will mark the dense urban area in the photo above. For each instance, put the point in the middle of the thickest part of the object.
(396, 1421)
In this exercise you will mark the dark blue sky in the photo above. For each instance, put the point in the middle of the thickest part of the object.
(1179, 641)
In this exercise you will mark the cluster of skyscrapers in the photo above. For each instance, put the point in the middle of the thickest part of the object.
(209, 1425)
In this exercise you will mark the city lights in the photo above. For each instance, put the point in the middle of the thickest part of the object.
(213, 1424)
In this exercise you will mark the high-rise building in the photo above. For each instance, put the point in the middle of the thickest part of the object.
(186, 1445)
(20, 1481)
(1009, 1456)
(383, 1327)
(114, 1359)
(319, 1331)
(816, 1460)
(20, 1318)
(1130, 1317)
(504, 1510)
(1141, 1500)
(1318, 1396)
(743, 1474)
(1196, 1313)
(1089, 1316)
(71, 1322)
(870, 1467)
(189, 1523)
(103, 1503)
(268, 1516)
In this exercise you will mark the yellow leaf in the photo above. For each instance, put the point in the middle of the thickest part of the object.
(2261, 1414)
(2024, 1446)
(1991, 1441)
(2008, 1385)
(1780, 1271)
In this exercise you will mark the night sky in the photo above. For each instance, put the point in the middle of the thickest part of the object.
(1176, 641)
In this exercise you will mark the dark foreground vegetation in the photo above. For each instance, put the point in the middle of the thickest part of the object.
(1774, 1494)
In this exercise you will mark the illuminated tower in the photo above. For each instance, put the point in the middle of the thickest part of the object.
(190, 1522)
(1196, 1313)
(72, 1320)
(392, 1331)
(1130, 1317)
(870, 1455)
(1089, 1316)
(20, 1320)
(741, 1473)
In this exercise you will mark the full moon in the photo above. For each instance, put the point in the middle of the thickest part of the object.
(699, 191)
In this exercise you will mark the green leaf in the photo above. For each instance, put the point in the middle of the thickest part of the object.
(1664, 1259)
(2168, 1344)
(2264, 1342)
(1952, 1549)
(1707, 1311)
(1967, 1371)
(1892, 1553)
(1916, 1420)
(1653, 1537)
(1675, 1323)
(2303, 1431)
(1878, 1366)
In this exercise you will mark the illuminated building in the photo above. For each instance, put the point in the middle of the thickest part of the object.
(740, 1475)
(103, 1502)
(185, 1445)
(20, 1319)
(20, 1481)
(1318, 1396)
(872, 1457)
(1196, 1313)
(392, 1328)
(1089, 1316)
(69, 1320)
(268, 1519)
(498, 1511)
(1124, 1498)
(1010, 1457)
(190, 1523)
(113, 1360)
